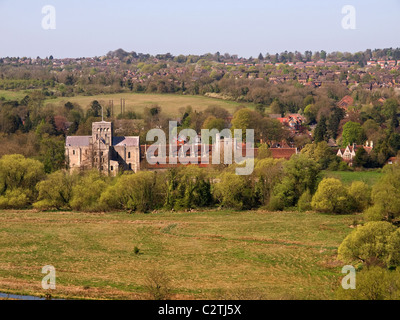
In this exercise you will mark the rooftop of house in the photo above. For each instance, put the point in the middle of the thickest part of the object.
(347, 101)
(283, 153)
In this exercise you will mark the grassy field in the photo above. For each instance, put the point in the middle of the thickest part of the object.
(170, 103)
(207, 255)
(12, 95)
(347, 177)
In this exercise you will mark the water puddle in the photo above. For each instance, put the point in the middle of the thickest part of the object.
(21, 297)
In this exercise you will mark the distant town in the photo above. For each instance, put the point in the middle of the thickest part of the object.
(373, 69)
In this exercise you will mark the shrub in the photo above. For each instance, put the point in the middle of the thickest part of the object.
(15, 199)
(87, 191)
(331, 196)
(134, 192)
(373, 241)
(158, 285)
(385, 196)
(56, 191)
(374, 283)
(267, 173)
(304, 203)
(188, 187)
(374, 213)
(300, 174)
(234, 191)
(18, 178)
(360, 196)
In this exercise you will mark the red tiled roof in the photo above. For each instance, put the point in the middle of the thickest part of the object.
(283, 153)
(346, 102)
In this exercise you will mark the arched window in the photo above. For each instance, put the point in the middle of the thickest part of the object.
(129, 155)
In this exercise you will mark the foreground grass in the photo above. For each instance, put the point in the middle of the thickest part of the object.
(208, 255)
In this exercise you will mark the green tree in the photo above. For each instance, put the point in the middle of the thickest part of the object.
(386, 203)
(244, 119)
(134, 192)
(352, 133)
(333, 123)
(18, 178)
(373, 283)
(56, 191)
(269, 130)
(191, 189)
(213, 123)
(372, 244)
(390, 108)
(234, 191)
(300, 174)
(331, 196)
(52, 153)
(320, 132)
(321, 153)
(360, 196)
(264, 152)
(87, 191)
(267, 173)
(310, 112)
(361, 159)
(304, 203)
(95, 109)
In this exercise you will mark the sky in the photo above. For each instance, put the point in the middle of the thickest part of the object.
(88, 28)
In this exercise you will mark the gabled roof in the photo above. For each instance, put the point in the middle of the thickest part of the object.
(126, 141)
(84, 141)
(77, 141)
(346, 102)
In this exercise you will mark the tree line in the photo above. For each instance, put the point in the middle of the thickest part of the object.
(276, 184)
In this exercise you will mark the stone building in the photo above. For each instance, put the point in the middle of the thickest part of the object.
(101, 150)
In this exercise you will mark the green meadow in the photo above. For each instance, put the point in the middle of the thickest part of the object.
(205, 255)
(136, 102)
(347, 177)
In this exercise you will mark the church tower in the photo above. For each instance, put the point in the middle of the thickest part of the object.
(102, 143)
(102, 133)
